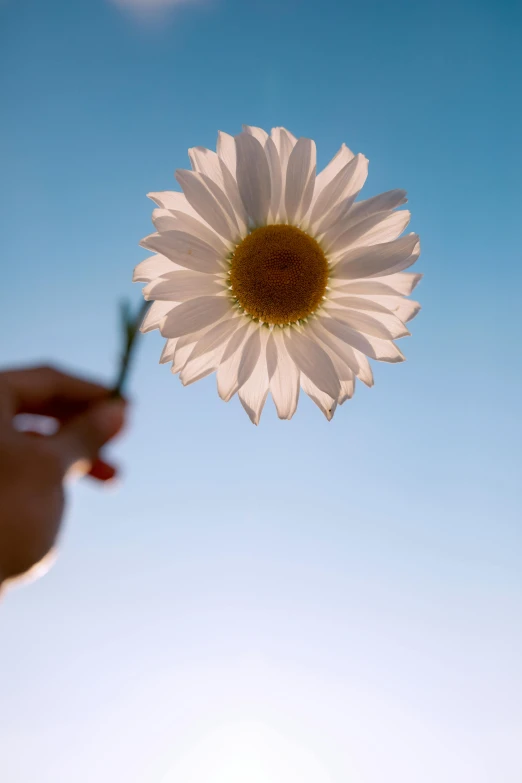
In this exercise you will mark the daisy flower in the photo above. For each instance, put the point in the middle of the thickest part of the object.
(275, 277)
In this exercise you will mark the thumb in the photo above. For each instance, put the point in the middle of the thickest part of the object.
(82, 437)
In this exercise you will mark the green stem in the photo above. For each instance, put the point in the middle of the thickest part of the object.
(131, 328)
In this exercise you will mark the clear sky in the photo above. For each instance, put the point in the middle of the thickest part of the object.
(302, 602)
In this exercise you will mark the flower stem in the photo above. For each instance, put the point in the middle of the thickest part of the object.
(131, 326)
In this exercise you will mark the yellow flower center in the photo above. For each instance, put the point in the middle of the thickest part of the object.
(278, 274)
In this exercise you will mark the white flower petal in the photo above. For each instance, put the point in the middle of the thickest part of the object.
(330, 196)
(365, 373)
(377, 229)
(284, 142)
(153, 267)
(271, 355)
(172, 199)
(329, 225)
(186, 250)
(209, 201)
(232, 191)
(194, 315)
(226, 149)
(346, 376)
(301, 166)
(308, 194)
(206, 162)
(347, 390)
(253, 178)
(184, 347)
(384, 325)
(174, 220)
(164, 220)
(249, 357)
(227, 383)
(333, 345)
(284, 376)
(398, 283)
(247, 328)
(353, 178)
(218, 335)
(190, 338)
(223, 200)
(169, 349)
(405, 263)
(359, 173)
(324, 402)
(378, 259)
(355, 360)
(381, 203)
(202, 231)
(343, 371)
(258, 133)
(199, 367)
(313, 361)
(155, 315)
(355, 302)
(276, 184)
(254, 391)
(183, 285)
(401, 282)
(338, 162)
(376, 348)
(403, 309)
(211, 165)
(339, 188)
(181, 355)
(406, 309)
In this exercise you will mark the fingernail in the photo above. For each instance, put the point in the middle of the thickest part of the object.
(109, 416)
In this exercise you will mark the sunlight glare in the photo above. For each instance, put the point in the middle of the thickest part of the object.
(247, 753)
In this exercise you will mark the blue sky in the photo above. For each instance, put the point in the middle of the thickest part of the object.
(341, 601)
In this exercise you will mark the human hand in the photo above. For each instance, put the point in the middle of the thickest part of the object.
(33, 467)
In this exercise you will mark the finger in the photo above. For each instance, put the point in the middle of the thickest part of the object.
(82, 437)
(47, 392)
(102, 471)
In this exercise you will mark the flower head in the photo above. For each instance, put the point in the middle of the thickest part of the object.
(275, 277)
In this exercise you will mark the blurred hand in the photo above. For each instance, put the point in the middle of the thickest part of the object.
(33, 466)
